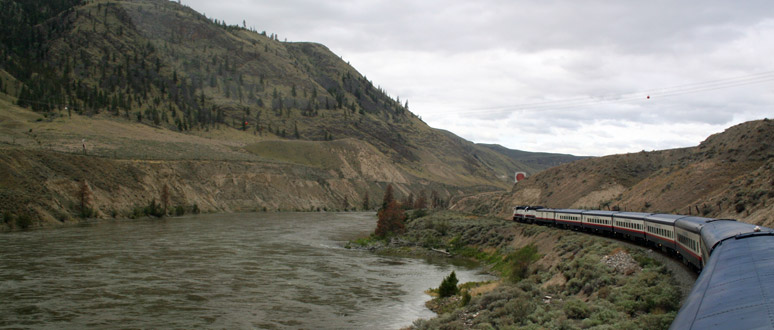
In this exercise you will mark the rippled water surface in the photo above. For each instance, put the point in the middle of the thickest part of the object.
(270, 271)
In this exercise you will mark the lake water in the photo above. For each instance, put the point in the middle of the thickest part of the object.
(231, 271)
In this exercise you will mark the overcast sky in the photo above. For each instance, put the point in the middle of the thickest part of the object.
(580, 77)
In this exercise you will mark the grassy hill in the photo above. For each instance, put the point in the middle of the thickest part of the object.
(151, 85)
(729, 175)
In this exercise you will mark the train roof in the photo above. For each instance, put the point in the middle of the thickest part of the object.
(632, 215)
(692, 224)
(571, 211)
(735, 288)
(716, 231)
(668, 219)
(598, 212)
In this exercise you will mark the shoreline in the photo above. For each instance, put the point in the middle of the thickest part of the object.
(5, 228)
(547, 277)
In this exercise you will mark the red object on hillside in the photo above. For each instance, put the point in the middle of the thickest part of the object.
(520, 176)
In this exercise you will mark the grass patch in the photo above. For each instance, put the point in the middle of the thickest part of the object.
(308, 153)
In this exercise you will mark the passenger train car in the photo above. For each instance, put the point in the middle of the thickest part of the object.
(735, 289)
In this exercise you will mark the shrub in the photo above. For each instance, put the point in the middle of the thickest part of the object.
(154, 209)
(448, 286)
(576, 309)
(739, 207)
(520, 261)
(465, 298)
(23, 221)
(179, 210)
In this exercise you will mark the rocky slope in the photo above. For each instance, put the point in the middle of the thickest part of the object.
(132, 96)
(729, 175)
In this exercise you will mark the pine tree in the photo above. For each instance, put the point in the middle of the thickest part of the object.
(408, 202)
(421, 201)
(435, 201)
(388, 196)
(390, 216)
(366, 201)
(448, 286)
(390, 220)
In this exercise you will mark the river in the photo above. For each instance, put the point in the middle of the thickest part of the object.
(233, 271)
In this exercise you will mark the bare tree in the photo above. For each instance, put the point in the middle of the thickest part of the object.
(85, 196)
(165, 198)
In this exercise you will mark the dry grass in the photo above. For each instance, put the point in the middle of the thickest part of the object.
(728, 175)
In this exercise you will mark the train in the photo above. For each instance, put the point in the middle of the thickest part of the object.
(735, 287)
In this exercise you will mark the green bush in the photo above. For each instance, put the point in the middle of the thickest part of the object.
(520, 261)
(448, 286)
(576, 309)
(88, 212)
(23, 221)
(465, 298)
(179, 210)
(154, 209)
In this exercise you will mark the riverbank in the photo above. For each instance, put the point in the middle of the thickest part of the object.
(549, 278)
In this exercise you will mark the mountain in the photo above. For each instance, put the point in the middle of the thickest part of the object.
(537, 161)
(729, 175)
(125, 99)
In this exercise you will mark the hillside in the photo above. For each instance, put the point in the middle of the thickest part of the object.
(151, 86)
(729, 175)
(537, 161)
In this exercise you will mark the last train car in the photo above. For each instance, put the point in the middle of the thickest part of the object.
(736, 288)
(714, 232)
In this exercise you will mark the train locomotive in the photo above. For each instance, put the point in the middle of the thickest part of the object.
(735, 289)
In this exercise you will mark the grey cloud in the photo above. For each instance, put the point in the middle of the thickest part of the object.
(479, 62)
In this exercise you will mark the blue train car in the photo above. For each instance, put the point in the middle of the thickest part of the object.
(736, 288)
(717, 230)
